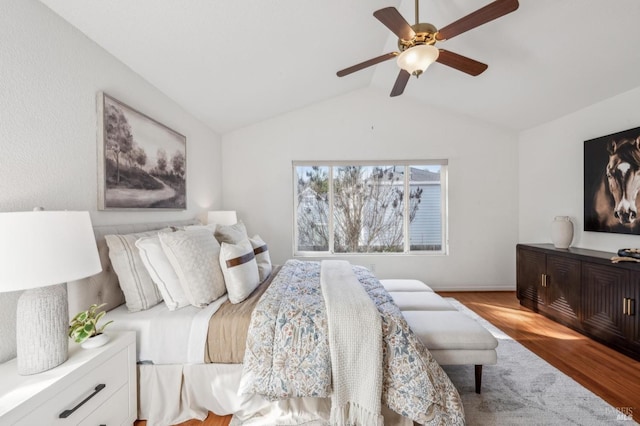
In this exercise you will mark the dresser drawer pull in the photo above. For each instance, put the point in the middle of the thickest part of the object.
(67, 413)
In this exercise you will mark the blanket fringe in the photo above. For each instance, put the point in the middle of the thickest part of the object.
(352, 414)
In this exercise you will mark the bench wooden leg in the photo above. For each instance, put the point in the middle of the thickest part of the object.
(478, 378)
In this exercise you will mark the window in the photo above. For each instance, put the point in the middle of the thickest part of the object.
(362, 208)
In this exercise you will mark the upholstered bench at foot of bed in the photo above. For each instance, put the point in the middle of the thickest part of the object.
(405, 285)
(420, 301)
(454, 339)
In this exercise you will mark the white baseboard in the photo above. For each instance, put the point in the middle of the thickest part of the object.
(473, 288)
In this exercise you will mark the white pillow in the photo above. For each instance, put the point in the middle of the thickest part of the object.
(194, 256)
(231, 234)
(140, 292)
(240, 270)
(263, 259)
(161, 272)
(211, 227)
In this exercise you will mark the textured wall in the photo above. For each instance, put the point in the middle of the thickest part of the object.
(8, 302)
(552, 171)
(368, 125)
(50, 74)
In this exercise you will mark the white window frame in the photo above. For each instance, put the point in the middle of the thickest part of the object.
(443, 163)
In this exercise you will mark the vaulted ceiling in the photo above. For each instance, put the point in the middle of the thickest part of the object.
(233, 63)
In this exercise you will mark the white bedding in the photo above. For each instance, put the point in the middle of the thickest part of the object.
(172, 394)
(167, 337)
(186, 389)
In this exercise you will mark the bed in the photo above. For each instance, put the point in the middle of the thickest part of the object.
(182, 376)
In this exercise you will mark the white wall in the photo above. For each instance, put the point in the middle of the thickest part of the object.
(49, 76)
(368, 125)
(551, 171)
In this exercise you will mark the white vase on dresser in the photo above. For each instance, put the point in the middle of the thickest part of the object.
(562, 232)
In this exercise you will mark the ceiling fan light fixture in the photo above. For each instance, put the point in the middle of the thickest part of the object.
(417, 59)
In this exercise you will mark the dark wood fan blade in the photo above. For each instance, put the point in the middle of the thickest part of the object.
(366, 64)
(481, 16)
(461, 63)
(392, 19)
(400, 84)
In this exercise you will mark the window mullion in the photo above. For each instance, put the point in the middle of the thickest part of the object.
(296, 203)
(407, 202)
(444, 191)
(331, 215)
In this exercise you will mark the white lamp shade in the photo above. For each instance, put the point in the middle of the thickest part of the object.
(417, 59)
(42, 248)
(222, 217)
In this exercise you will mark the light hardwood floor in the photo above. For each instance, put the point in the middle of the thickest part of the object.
(607, 373)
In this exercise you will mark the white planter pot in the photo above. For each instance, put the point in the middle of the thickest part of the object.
(96, 341)
(562, 232)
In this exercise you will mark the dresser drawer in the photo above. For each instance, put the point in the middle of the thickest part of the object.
(113, 374)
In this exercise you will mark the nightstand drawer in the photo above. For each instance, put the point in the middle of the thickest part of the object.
(113, 374)
(113, 412)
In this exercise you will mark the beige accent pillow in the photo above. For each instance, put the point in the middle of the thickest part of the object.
(140, 292)
(231, 234)
(263, 259)
(162, 273)
(194, 256)
(240, 270)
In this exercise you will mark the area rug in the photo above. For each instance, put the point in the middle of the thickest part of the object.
(523, 389)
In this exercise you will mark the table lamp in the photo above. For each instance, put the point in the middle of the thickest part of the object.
(40, 252)
(222, 217)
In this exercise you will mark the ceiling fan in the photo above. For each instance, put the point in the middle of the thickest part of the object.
(416, 42)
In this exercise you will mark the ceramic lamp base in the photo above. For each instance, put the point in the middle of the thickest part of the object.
(41, 329)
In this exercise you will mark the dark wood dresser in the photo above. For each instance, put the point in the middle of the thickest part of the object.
(584, 290)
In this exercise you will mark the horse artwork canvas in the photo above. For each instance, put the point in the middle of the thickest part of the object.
(612, 183)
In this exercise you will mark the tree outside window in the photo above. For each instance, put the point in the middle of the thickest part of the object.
(365, 208)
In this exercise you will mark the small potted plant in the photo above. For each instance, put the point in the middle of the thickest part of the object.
(84, 328)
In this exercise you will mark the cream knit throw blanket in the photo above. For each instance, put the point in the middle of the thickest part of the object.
(355, 341)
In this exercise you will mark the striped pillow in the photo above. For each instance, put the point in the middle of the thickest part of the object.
(140, 293)
(240, 270)
(263, 259)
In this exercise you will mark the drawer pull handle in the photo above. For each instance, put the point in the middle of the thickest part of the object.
(67, 413)
(628, 305)
(544, 280)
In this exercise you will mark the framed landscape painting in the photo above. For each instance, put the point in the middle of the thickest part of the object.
(142, 164)
(612, 183)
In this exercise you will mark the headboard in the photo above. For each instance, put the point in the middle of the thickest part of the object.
(104, 287)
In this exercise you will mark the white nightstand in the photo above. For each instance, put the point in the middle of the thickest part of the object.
(103, 378)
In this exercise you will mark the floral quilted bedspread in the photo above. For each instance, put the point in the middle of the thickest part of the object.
(287, 354)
